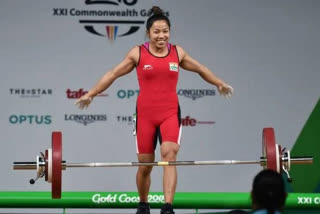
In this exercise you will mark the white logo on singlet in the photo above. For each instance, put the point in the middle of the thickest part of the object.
(147, 67)
(173, 66)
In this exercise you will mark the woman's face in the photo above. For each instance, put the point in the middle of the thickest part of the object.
(159, 34)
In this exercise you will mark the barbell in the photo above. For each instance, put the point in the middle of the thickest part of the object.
(50, 164)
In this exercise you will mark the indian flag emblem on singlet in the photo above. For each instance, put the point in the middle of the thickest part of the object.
(173, 66)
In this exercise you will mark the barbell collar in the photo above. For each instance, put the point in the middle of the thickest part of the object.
(32, 165)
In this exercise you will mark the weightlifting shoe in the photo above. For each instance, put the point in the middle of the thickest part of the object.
(143, 208)
(167, 209)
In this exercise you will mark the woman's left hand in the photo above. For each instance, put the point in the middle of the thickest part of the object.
(225, 90)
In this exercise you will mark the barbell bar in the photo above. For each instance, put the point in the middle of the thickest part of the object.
(50, 163)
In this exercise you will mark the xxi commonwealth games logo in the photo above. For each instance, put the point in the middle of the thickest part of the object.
(108, 18)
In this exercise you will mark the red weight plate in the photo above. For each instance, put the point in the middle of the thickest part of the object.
(269, 145)
(46, 165)
(56, 164)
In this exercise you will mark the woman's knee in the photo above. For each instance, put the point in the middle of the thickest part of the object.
(145, 170)
(169, 151)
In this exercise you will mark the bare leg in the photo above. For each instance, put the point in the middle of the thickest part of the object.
(169, 151)
(143, 176)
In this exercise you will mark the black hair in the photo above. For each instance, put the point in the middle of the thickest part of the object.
(268, 191)
(156, 15)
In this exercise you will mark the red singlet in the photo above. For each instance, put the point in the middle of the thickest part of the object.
(158, 112)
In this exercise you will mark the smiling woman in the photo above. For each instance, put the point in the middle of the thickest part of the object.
(157, 63)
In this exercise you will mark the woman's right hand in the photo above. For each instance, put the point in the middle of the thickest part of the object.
(84, 101)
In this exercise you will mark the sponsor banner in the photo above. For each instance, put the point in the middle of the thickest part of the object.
(189, 121)
(85, 119)
(196, 93)
(30, 92)
(188, 93)
(30, 119)
(308, 200)
(76, 94)
(127, 93)
(112, 19)
(120, 198)
(185, 121)
(125, 119)
(112, 198)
